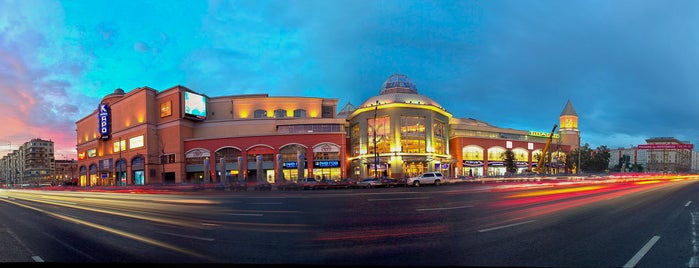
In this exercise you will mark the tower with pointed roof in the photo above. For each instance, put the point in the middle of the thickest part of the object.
(569, 132)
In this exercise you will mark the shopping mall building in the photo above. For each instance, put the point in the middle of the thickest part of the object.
(180, 135)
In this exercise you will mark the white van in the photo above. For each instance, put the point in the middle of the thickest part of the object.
(435, 178)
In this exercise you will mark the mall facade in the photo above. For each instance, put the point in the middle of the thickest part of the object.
(179, 135)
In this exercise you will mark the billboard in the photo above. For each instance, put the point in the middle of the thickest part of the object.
(665, 146)
(194, 105)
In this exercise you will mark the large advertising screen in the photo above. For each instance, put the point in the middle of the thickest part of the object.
(194, 105)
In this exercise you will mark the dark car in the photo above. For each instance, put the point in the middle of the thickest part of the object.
(330, 184)
(393, 182)
(288, 185)
(348, 183)
(308, 183)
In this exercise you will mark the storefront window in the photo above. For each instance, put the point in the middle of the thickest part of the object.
(383, 137)
(412, 134)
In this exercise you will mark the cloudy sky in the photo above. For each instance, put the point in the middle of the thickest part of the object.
(630, 68)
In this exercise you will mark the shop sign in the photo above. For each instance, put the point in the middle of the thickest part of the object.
(104, 120)
(326, 164)
(473, 163)
(665, 146)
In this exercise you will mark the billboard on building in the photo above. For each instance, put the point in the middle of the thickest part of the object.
(665, 146)
(194, 105)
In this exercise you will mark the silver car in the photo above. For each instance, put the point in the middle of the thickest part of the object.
(435, 178)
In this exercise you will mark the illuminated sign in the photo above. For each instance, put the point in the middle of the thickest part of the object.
(194, 105)
(81, 155)
(326, 164)
(293, 164)
(473, 163)
(136, 142)
(91, 152)
(665, 146)
(104, 120)
(543, 134)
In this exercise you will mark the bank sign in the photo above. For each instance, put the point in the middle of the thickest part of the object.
(104, 119)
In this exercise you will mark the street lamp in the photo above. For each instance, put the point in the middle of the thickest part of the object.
(376, 152)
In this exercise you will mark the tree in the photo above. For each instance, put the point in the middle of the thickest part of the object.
(509, 158)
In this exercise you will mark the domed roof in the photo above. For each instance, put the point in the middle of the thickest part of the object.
(398, 83)
(399, 88)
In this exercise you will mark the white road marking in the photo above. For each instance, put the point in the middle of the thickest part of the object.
(37, 259)
(429, 209)
(642, 252)
(688, 202)
(694, 260)
(505, 226)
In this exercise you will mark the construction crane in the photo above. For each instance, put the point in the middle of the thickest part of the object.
(542, 159)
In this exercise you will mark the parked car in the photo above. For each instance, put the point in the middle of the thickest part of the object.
(331, 184)
(392, 182)
(288, 185)
(348, 183)
(370, 183)
(435, 178)
(308, 183)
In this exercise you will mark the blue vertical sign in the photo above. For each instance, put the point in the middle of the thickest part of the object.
(104, 120)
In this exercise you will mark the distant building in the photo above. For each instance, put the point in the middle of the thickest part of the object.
(659, 154)
(635, 155)
(32, 163)
(66, 171)
(667, 154)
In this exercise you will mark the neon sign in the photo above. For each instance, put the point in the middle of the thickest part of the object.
(104, 120)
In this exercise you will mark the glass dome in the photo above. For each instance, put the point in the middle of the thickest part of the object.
(398, 83)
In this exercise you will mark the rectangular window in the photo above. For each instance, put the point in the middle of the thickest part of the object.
(383, 137)
(168, 158)
(355, 139)
(119, 146)
(412, 134)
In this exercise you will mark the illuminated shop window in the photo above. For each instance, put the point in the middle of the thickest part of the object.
(355, 139)
(412, 134)
(383, 137)
(119, 146)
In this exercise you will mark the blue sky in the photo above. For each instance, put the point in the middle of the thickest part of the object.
(630, 68)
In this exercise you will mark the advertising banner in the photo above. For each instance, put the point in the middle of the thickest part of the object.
(665, 146)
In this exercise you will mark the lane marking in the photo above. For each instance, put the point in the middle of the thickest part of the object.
(688, 202)
(636, 258)
(37, 259)
(505, 226)
(429, 209)
(694, 260)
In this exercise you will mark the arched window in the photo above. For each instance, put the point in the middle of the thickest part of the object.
(300, 113)
(279, 113)
(260, 114)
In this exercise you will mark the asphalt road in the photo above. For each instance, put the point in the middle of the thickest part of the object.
(622, 224)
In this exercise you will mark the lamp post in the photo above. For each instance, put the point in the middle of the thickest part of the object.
(579, 155)
(376, 152)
